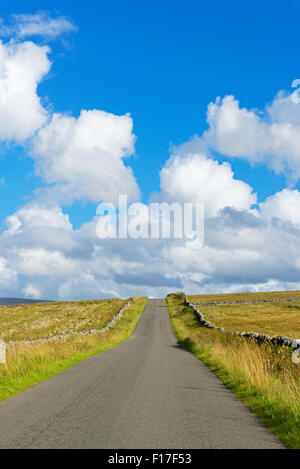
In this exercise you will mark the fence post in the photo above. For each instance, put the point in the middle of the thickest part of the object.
(2, 351)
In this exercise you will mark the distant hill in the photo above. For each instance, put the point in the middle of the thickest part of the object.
(19, 301)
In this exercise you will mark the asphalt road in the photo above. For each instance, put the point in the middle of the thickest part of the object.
(146, 393)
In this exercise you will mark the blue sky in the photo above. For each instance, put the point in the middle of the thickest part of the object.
(164, 63)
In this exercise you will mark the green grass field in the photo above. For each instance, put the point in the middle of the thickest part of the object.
(264, 377)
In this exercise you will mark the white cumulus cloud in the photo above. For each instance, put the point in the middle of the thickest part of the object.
(284, 205)
(22, 67)
(36, 216)
(84, 157)
(272, 137)
(196, 178)
(30, 291)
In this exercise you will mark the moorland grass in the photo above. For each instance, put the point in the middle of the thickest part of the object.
(260, 296)
(46, 320)
(32, 363)
(266, 318)
(264, 377)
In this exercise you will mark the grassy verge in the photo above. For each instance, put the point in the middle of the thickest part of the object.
(29, 364)
(265, 377)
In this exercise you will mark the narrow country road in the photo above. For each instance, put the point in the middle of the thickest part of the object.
(146, 393)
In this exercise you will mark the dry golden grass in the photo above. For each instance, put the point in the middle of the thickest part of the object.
(45, 320)
(32, 363)
(244, 296)
(264, 377)
(266, 318)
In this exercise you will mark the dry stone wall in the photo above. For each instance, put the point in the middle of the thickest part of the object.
(259, 338)
(57, 338)
(246, 302)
